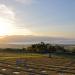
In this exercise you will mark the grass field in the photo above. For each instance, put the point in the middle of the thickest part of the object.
(35, 64)
(20, 55)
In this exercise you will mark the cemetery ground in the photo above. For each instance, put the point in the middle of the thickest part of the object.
(35, 64)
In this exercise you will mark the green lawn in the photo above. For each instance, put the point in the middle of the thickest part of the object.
(20, 55)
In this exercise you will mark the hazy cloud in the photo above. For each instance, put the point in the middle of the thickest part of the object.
(6, 12)
(7, 17)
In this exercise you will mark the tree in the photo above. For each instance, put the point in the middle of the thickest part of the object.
(51, 50)
(60, 49)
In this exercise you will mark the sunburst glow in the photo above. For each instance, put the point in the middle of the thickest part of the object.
(6, 27)
(8, 23)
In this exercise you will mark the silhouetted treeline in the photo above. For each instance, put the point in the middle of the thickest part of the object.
(13, 50)
(41, 48)
(46, 48)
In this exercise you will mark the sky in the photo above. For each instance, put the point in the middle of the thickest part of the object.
(55, 18)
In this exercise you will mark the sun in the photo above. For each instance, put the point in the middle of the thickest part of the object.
(9, 24)
(6, 27)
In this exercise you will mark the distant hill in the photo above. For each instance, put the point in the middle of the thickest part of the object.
(29, 39)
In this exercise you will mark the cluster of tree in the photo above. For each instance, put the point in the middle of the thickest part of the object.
(50, 49)
(42, 48)
(45, 48)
